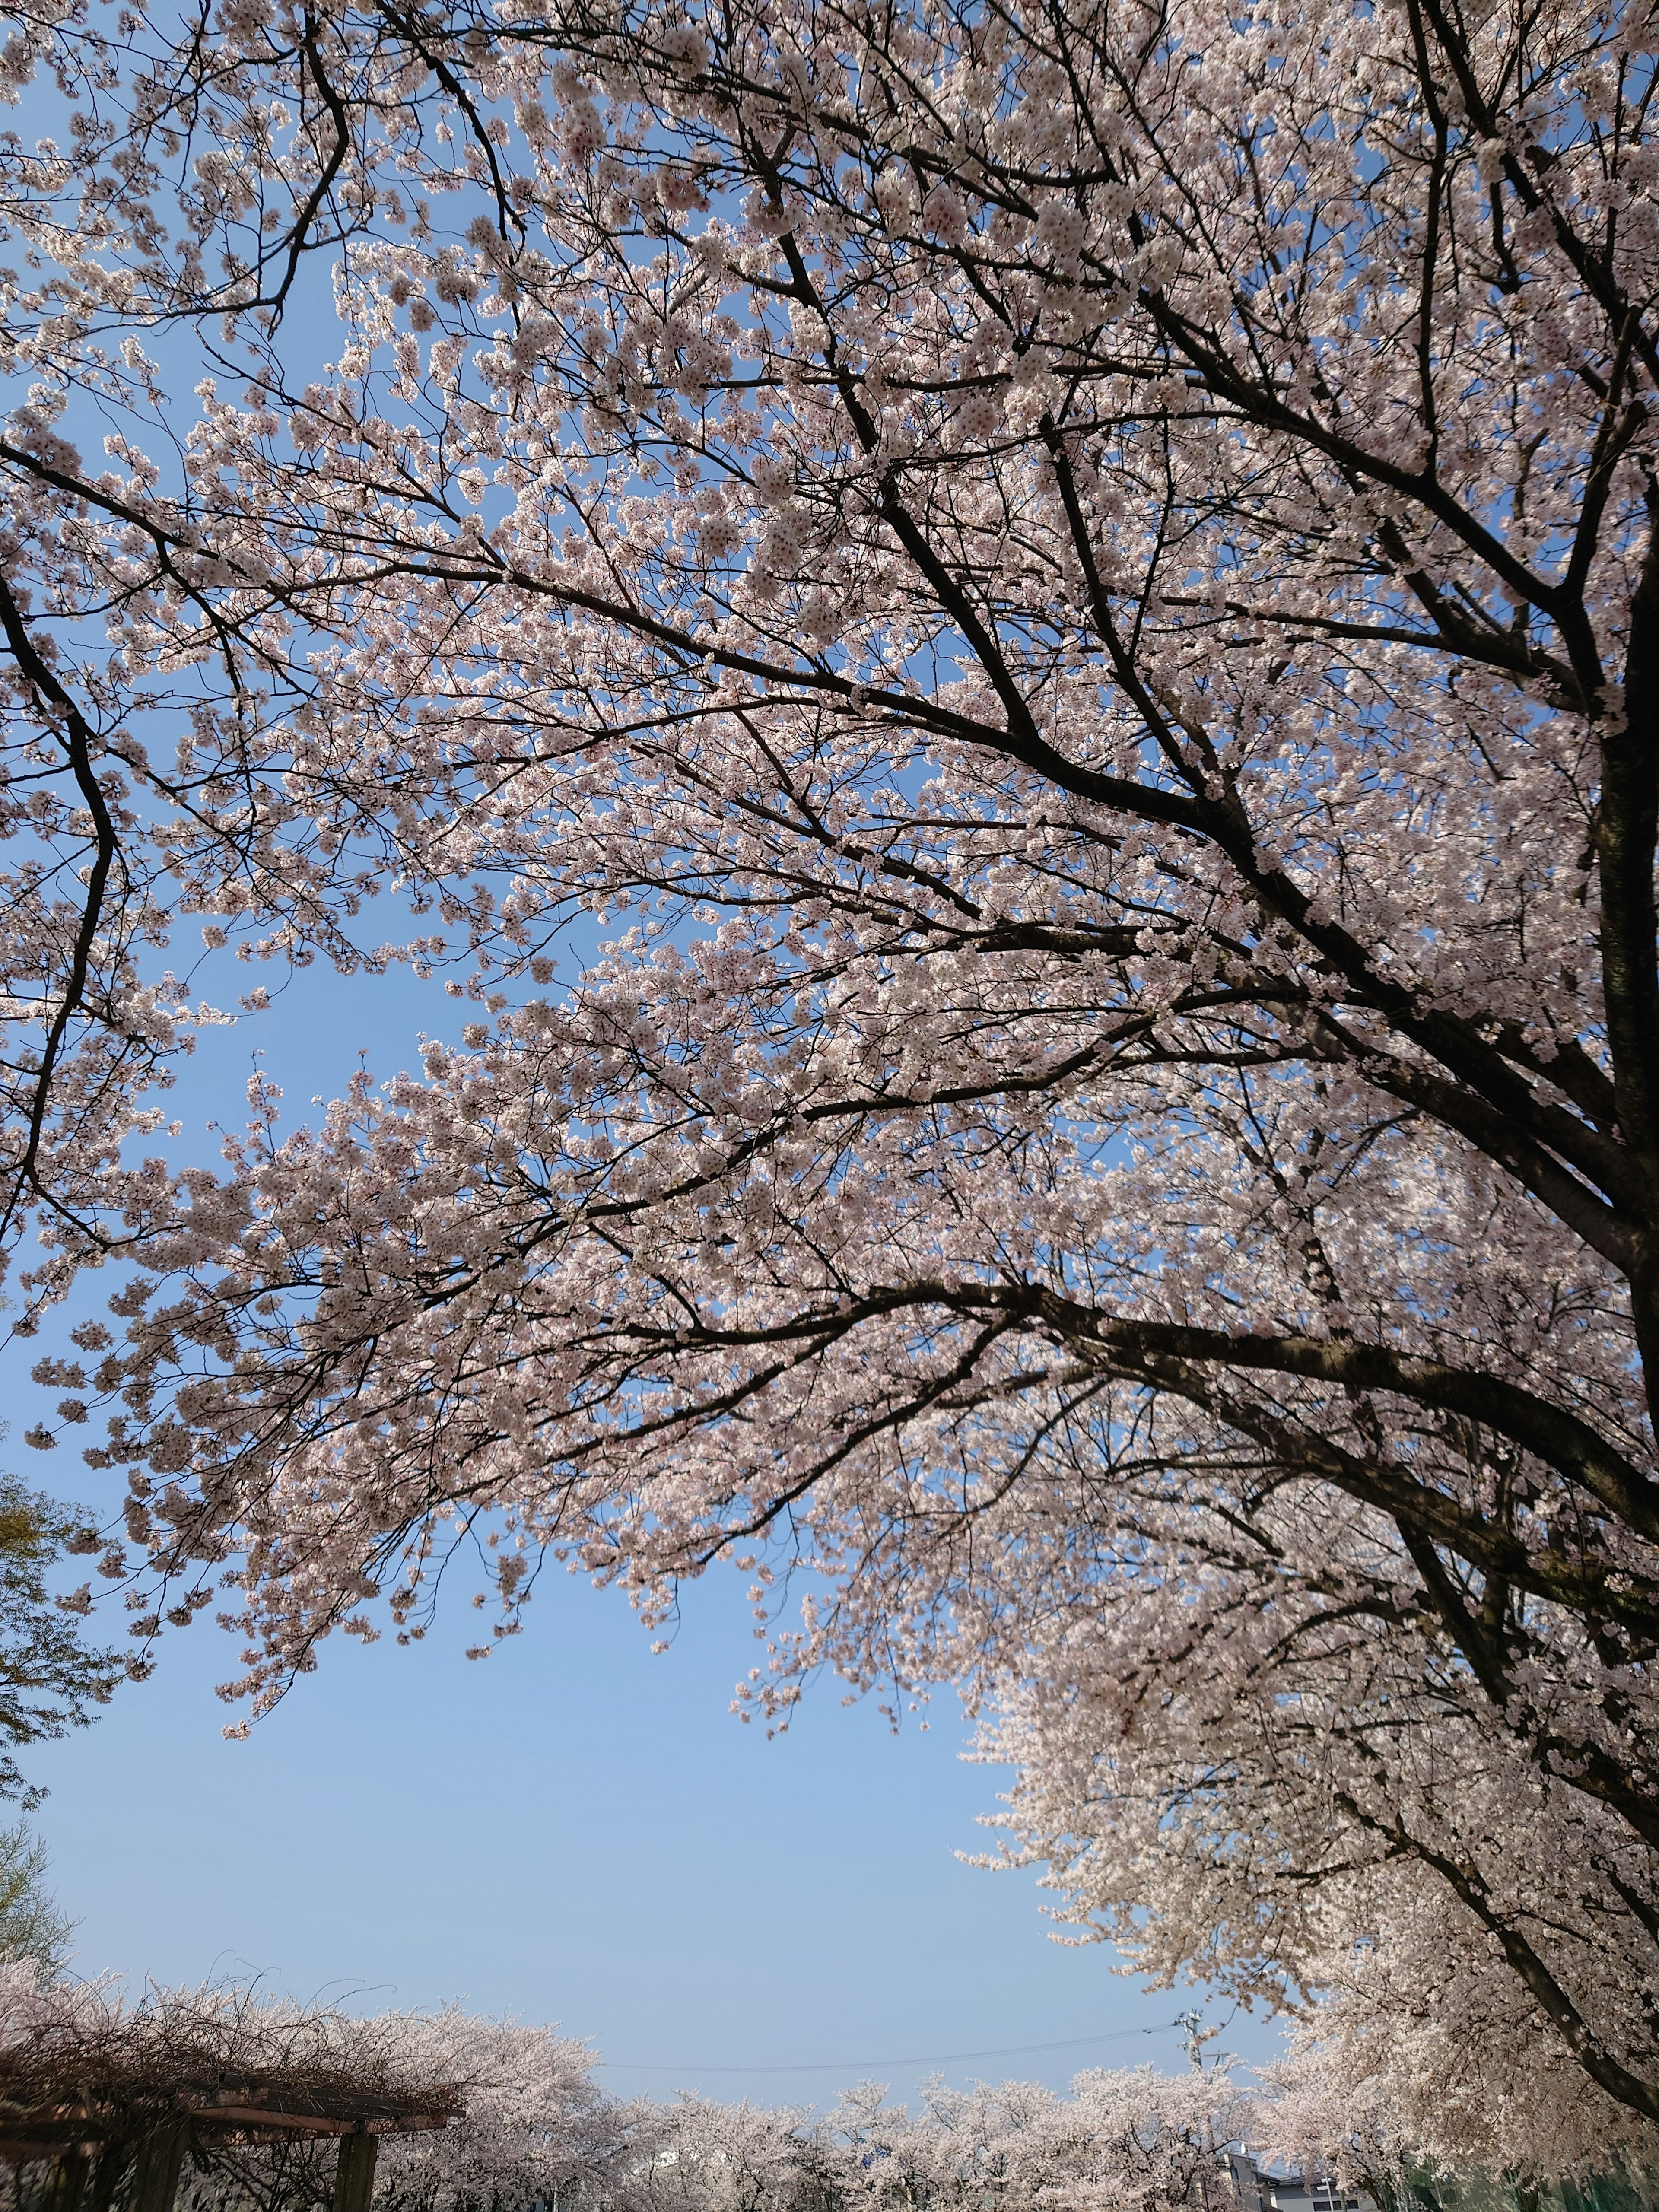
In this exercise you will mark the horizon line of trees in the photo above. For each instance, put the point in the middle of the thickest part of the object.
(537, 2133)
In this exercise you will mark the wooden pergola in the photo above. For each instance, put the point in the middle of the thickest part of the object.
(100, 2147)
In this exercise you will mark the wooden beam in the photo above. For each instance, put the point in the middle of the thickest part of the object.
(240, 2119)
(155, 2170)
(54, 2135)
(353, 2177)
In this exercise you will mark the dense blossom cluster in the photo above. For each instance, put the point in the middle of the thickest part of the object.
(1119, 2143)
(1076, 583)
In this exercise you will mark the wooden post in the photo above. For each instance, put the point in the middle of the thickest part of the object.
(66, 2181)
(156, 2170)
(107, 2175)
(353, 2177)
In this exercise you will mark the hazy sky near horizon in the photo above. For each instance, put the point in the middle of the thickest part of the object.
(574, 1830)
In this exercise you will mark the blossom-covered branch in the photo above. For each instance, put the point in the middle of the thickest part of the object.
(1079, 585)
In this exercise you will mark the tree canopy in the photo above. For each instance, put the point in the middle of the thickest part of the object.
(32, 1929)
(50, 1679)
(1075, 585)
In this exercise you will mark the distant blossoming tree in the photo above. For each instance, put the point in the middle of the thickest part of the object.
(534, 2128)
(1078, 582)
(1119, 2143)
(1122, 2142)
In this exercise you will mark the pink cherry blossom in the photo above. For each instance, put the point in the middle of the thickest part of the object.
(1076, 591)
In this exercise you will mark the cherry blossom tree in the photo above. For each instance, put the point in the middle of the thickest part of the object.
(1076, 586)
(698, 2155)
(533, 2127)
(1122, 2142)
(1119, 2143)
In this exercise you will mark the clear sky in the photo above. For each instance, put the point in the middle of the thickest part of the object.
(573, 1830)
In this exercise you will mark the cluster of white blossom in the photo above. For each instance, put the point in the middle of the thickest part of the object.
(1074, 583)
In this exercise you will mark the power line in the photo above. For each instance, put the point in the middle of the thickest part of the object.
(853, 2065)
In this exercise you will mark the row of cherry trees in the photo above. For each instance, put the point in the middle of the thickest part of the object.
(534, 2127)
(1074, 583)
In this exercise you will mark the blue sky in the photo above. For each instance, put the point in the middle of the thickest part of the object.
(575, 1829)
